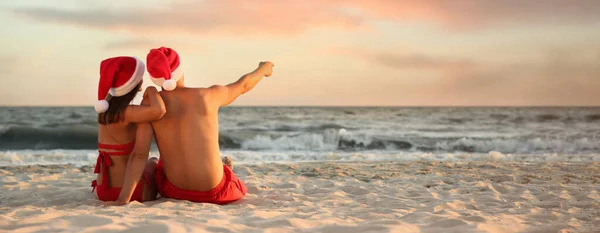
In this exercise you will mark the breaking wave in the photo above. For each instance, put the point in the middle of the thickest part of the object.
(316, 139)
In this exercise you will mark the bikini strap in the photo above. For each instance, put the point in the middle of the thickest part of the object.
(103, 162)
(122, 147)
(94, 185)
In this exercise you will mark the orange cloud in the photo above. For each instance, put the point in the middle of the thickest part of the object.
(479, 14)
(566, 76)
(406, 60)
(204, 17)
(285, 17)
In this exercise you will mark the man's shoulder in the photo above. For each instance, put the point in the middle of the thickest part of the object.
(201, 92)
(193, 94)
(209, 91)
(185, 91)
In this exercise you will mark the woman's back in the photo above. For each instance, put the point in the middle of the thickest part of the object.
(115, 141)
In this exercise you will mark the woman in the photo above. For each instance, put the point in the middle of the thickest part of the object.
(120, 81)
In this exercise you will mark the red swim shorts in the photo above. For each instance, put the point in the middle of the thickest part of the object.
(229, 190)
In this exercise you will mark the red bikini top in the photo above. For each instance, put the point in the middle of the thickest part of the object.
(104, 159)
(123, 149)
(104, 156)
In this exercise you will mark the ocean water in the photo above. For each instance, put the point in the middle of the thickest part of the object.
(67, 135)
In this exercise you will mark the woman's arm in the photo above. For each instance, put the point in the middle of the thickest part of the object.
(151, 109)
(138, 157)
(136, 163)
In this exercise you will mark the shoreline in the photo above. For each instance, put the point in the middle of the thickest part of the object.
(83, 158)
(42, 167)
(344, 196)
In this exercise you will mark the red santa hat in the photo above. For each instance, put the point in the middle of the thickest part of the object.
(164, 67)
(118, 76)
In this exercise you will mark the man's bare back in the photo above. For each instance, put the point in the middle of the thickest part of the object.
(187, 137)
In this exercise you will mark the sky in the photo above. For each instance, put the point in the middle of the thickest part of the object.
(326, 52)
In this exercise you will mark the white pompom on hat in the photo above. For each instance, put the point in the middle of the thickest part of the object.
(118, 76)
(164, 67)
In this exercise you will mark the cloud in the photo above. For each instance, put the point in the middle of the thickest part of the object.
(564, 77)
(145, 44)
(421, 62)
(285, 17)
(479, 14)
(203, 17)
(413, 61)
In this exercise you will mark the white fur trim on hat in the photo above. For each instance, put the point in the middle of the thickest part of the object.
(135, 79)
(101, 106)
(170, 84)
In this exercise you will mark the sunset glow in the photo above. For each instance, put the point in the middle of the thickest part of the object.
(334, 52)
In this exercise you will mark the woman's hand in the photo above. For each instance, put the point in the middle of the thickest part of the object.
(152, 108)
(149, 90)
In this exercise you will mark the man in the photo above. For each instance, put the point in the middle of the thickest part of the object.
(190, 166)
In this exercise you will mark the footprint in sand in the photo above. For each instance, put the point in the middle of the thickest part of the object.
(498, 188)
(257, 189)
(287, 186)
(355, 190)
(353, 229)
(152, 228)
(448, 223)
(25, 213)
(474, 219)
(217, 229)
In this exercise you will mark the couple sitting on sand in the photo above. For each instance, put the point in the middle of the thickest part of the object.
(184, 122)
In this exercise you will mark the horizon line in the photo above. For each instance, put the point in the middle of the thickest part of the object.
(346, 106)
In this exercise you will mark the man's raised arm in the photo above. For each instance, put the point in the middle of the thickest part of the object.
(225, 95)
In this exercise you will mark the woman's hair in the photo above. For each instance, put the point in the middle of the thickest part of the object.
(117, 107)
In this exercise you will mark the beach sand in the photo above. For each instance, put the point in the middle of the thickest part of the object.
(325, 197)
